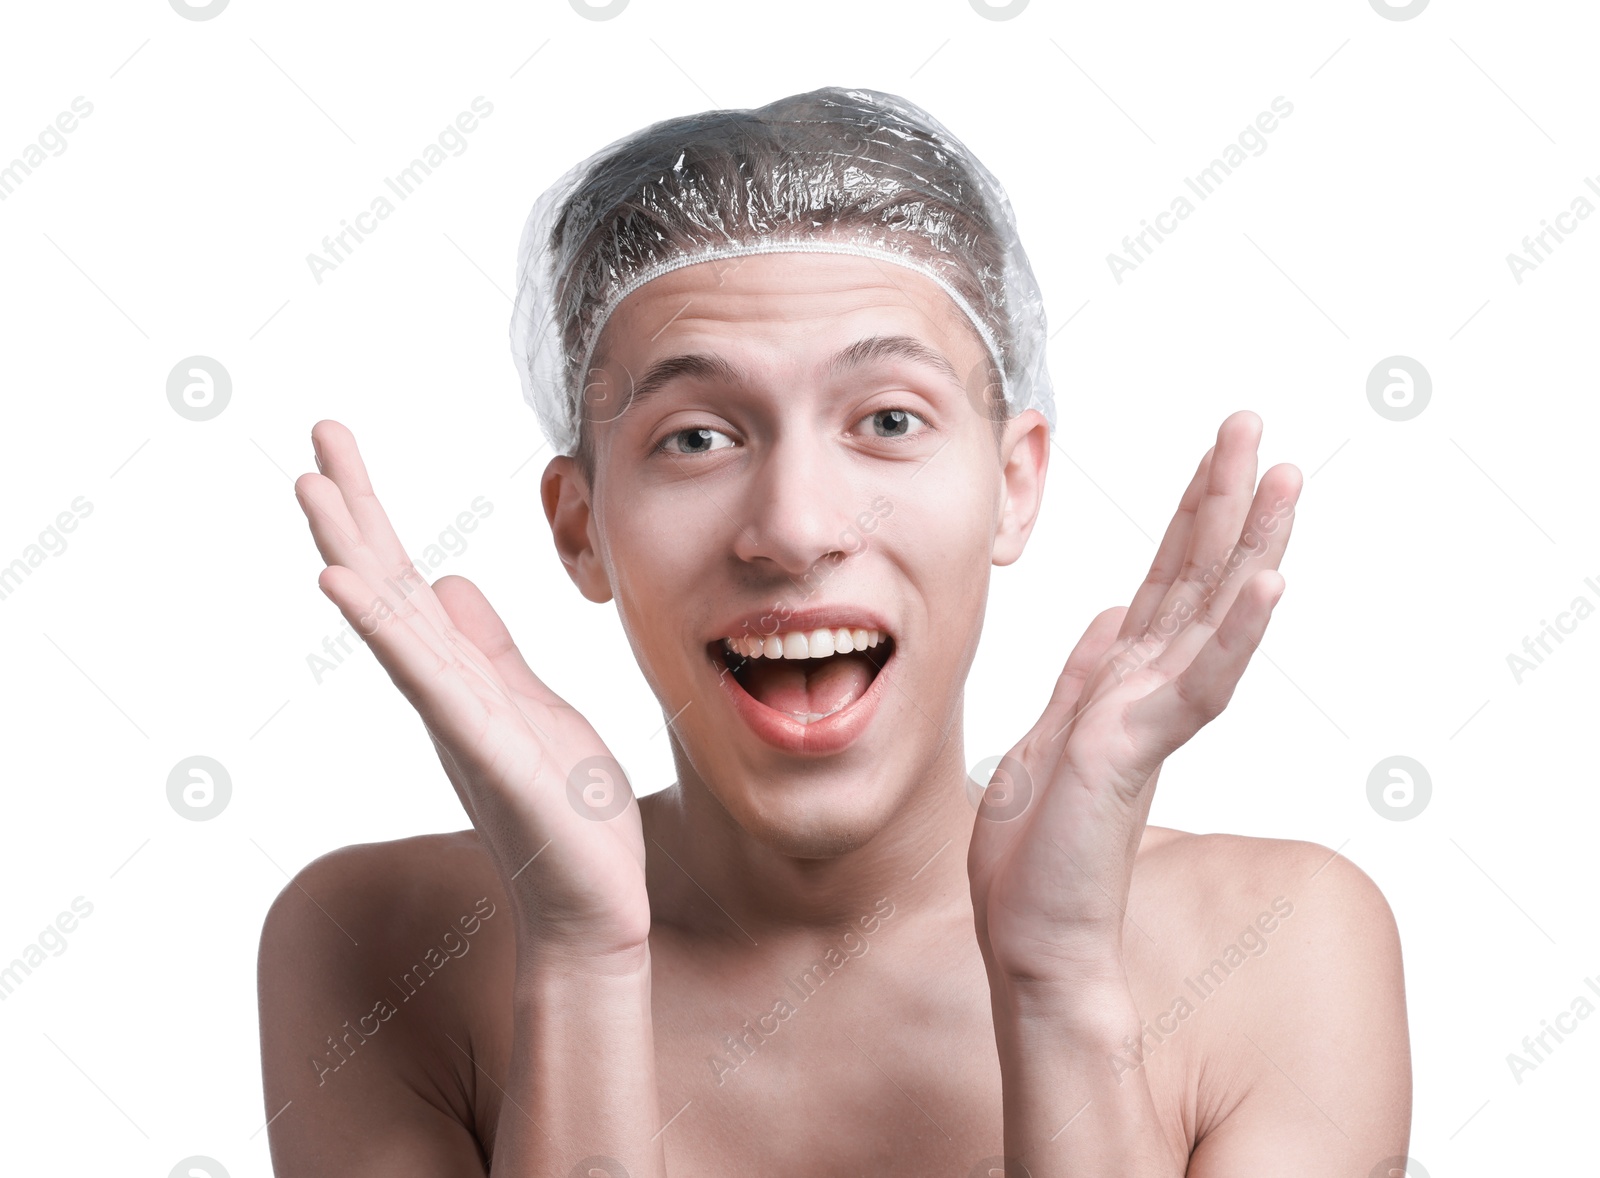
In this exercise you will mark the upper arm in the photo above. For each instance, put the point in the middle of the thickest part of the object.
(357, 1081)
(1318, 1051)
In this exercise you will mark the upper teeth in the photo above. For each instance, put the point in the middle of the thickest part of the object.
(803, 644)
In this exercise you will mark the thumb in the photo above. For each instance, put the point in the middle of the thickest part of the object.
(1085, 658)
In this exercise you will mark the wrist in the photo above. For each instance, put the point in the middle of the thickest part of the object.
(543, 959)
(1090, 998)
(1043, 1032)
(1091, 1011)
(1067, 966)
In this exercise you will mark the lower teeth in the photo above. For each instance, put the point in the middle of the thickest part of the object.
(813, 717)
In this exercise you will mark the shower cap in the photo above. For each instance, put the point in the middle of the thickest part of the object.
(846, 171)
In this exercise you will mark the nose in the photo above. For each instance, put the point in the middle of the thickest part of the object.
(798, 505)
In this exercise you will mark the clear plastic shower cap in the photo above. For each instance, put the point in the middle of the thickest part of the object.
(834, 171)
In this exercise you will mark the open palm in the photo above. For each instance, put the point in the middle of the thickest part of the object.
(1051, 857)
(548, 801)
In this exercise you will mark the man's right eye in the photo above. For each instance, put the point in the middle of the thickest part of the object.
(697, 439)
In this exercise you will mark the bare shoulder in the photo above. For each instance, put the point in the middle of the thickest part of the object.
(1236, 864)
(373, 959)
(1284, 958)
(1238, 897)
(356, 906)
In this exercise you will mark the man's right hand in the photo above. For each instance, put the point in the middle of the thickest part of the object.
(549, 802)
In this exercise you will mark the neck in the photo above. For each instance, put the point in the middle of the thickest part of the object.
(709, 876)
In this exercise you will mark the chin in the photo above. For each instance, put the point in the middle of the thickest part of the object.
(816, 819)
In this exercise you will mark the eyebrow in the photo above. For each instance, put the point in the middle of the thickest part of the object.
(703, 366)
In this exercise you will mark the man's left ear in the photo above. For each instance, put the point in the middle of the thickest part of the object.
(1024, 457)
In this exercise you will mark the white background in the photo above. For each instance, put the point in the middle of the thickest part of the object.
(179, 618)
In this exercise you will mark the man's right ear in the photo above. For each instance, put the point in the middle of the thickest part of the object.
(566, 506)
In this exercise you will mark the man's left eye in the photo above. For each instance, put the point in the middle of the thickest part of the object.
(895, 423)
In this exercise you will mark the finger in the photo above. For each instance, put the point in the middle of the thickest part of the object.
(454, 695)
(473, 724)
(1081, 663)
(340, 543)
(334, 531)
(413, 601)
(1260, 546)
(419, 669)
(1172, 713)
(359, 513)
(478, 622)
(1224, 504)
(1169, 556)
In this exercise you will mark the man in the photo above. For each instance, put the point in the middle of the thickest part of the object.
(823, 950)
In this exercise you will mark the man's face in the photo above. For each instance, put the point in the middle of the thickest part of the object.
(784, 484)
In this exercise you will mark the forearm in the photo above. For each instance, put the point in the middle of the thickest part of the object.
(582, 1080)
(1068, 1109)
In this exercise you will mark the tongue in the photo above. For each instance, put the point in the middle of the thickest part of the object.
(808, 689)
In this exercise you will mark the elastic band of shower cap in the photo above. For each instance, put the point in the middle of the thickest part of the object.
(773, 246)
(838, 171)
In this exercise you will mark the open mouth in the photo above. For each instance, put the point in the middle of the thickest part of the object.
(807, 676)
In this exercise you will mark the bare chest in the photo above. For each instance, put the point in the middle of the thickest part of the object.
(875, 1059)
